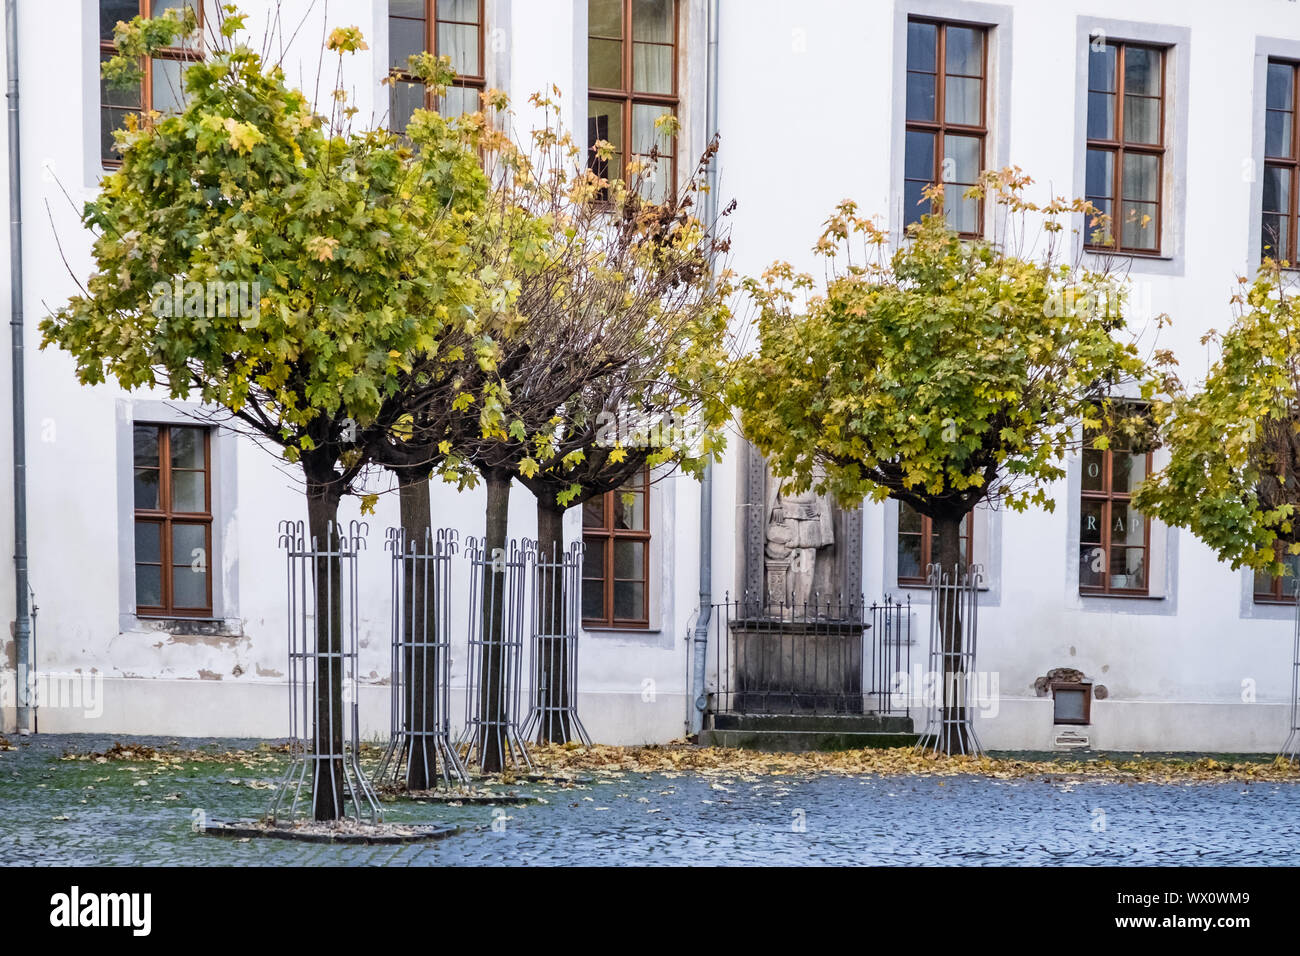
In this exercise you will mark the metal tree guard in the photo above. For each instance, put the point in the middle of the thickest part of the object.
(419, 752)
(498, 582)
(557, 595)
(1291, 749)
(324, 733)
(954, 601)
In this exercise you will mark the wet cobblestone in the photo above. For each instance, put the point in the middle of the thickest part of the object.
(55, 811)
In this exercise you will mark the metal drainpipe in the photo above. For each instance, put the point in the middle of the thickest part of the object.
(701, 642)
(22, 619)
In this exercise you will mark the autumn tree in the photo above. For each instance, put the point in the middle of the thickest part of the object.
(1232, 476)
(942, 373)
(354, 243)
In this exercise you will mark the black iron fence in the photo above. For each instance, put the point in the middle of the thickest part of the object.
(815, 659)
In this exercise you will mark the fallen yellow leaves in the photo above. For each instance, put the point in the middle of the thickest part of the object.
(680, 756)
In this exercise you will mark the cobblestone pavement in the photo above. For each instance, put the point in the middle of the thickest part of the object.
(55, 811)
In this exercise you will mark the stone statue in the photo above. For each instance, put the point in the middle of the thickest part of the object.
(798, 527)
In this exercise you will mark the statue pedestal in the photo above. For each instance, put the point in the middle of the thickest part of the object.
(796, 667)
(778, 588)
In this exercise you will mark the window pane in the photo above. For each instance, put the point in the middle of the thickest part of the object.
(652, 20)
(593, 557)
(1277, 133)
(922, 44)
(1264, 583)
(1101, 224)
(593, 600)
(605, 64)
(961, 102)
(187, 447)
(405, 39)
(1128, 568)
(464, 10)
(146, 489)
(593, 512)
(629, 600)
(1127, 471)
(1101, 173)
(148, 585)
(458, 101)
(605, 18)
(629, 511)
(1142, 70)
(914, 204)
(1277, 189)
(145, 438)
(189, 545)
(1141, 177)
(920, 96)
(124, 96)
(961, 161)
(918, 156)
(1101, 115)
(460, 42)
(406, 8)
(910, 520)
(1274, 236)
(113, 11)
(652, 68)
(909, 556)
(1101, 67)
(1090, 519)
(1138, 230)
(1092, 566)
(189, 587)
(629, 559)
(148, 542)
(167, 85)
(964, 51)
(1093, 464)
(1126, 525)
(645, 135)
(1141, 119)
(1281, 87)
(403, 100)
(605, 122)
(188, 491)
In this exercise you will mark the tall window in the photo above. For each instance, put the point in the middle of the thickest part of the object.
(173, 520)
(1278, 590)
(632, 75)
(946, 119)
(1114, 538)
(1125, 160)
(450, 28)
(1281, 162)
(918, 544)
(616, 565)
(161, 89)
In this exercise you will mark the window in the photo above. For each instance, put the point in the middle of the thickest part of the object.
(450, 28)
(1278, 590)
(161, 90)
(1114, 540)
(1071, 702)
(615, 570)
(947, 126)
(632, 75)
(173, 520)
(1281, 162)
(1125, 159)
(918, 544)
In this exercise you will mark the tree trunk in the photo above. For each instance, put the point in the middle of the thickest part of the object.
(953, 736)
(329, 718)
(419, 628)
(493, 706)
(553, 670)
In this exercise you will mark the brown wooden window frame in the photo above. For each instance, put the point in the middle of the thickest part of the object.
(1290, 164)
(165, 517)
(108, 48)
(464, 81)
(628, 97)
(939, 127)
(603, 538)
(1107, 496)
(1119, 147)
(1083, 686)
(927, 546)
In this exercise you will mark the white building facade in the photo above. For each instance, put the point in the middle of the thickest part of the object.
(1174, 110)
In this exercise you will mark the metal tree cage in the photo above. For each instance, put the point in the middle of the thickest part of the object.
(323, 718)
(553, 684)
(1291, 748)
(491, 737)
(420, 754)
(954, 608)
